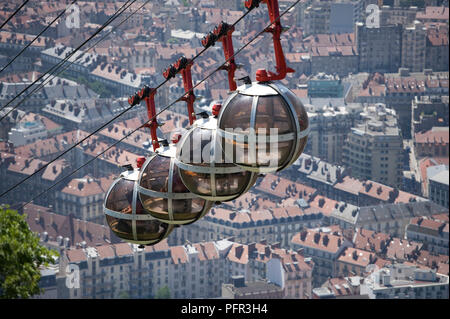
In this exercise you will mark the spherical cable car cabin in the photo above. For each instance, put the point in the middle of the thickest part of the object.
(163, 193)
(202, 164)
(264, 127)
(126, 216)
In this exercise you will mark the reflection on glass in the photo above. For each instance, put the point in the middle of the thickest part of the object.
(196, 151)
(120, 200)
(156, 177)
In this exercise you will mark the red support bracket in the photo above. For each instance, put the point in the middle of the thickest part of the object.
(148, 95)
(183, 66)
(224, 33)
(276, 29)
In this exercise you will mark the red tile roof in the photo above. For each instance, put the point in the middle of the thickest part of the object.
(54, 170)
(381, 192)
(284, 188)
(370, 240)
(315, 240)
(105, 252)
(238, 253)
(433, 136)
(402, 249)
(41, 219)
(25, 166)
(357, 257)
(433, 13)
(178, 255)
(349, 184)
(123, 249)
(76, 255)
(82, 187)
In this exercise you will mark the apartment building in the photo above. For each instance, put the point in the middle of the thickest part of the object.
(437, 47)
(438, 188)
(27, 132)
(388, 218)
(429, 111)
(339, 288)
(275, 224)
(333, 16)
(379, 49)
(401, 281)
(324, 248)
(329, 127)
(337, 185)
(83, 197)
(414, 38)
(373, 149)
(239, 289)
(433, 143)
(339, 59)
(188, 271)
(317, 18)
(430, 230)
(355, 262)
(397, 15)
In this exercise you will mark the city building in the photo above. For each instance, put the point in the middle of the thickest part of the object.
(339, 59)
(438, 188)
(340, 288)
(437, 47)
(388, 218)
(433, 143)
(317, 18)
(354, 261)
(48, 283)
(433, 14)
(188, 271)
(430, 231)
(397, 15)
(239, 289)
(26, 133)
(84, 197)
(325, 85)
(399, 281)
(324, 248)
(373, 149)
(427, 112)
(329, 127)
(273, 224)
(60, 232)
(379, 49)
(414, 47)
(344, 15)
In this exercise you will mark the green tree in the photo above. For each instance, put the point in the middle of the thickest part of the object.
(124, 295)
(163, 293)
(21, 255)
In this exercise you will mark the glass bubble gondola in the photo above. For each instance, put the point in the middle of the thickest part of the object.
(163, 193)
(126, 216)
(264, 127)
(203, 168)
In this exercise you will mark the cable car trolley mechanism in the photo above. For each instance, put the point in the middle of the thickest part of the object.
(160, 187)
(264, 125)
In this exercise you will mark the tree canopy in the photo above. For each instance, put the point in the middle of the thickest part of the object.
(21, 255)
(163, 293)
